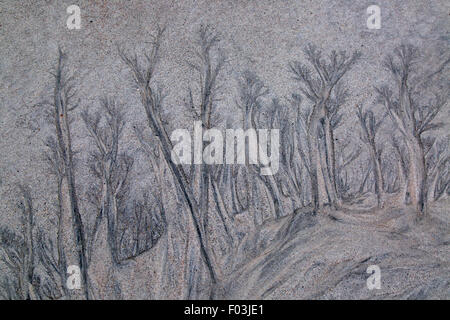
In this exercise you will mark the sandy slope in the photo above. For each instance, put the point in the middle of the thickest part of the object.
(326, 255)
